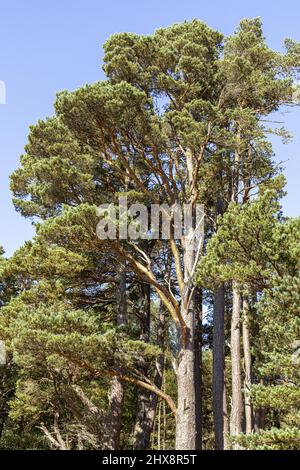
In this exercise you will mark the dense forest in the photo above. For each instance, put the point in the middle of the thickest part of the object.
(166, 343)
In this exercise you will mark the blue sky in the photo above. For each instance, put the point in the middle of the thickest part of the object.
(50, 45)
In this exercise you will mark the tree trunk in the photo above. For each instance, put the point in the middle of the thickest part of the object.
(236, 377)
(198, 365)
(225, 421)
(218, 367)
(237, 401)
(111, 438)
(188, 417)
(164, 414)
(259, 416)
(187, 421)
(159, 426)
(259, 419)
(248, 371)
(147, 402)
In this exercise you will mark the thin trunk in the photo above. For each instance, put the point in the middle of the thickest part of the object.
(248, 371)
(55, 438)
(198, 365)
(237, 401)
(246, 342)
(218, 367)
(236, 377)
(5, 395)
(259, 416)
(259, 419)
(145, 312)
(143, 421)
(159, 426)
(225, 421)
(236, 167)
(164, 412)
(147, 402)
(141, 432)
(218, 377)
(111, 438)
(147, 406)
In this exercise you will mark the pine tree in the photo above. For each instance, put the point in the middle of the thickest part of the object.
(178, 108)
(258, 248)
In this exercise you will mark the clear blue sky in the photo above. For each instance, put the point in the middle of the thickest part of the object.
(50, 45)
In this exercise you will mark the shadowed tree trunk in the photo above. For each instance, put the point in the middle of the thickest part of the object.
(7, 388)
(111, 438)
(147, 402)
(259, 419)
(198, 365)
(259, 416)
(143, 400)
(247, 365)
(225, 421)
(218, 367)
(218, 377)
